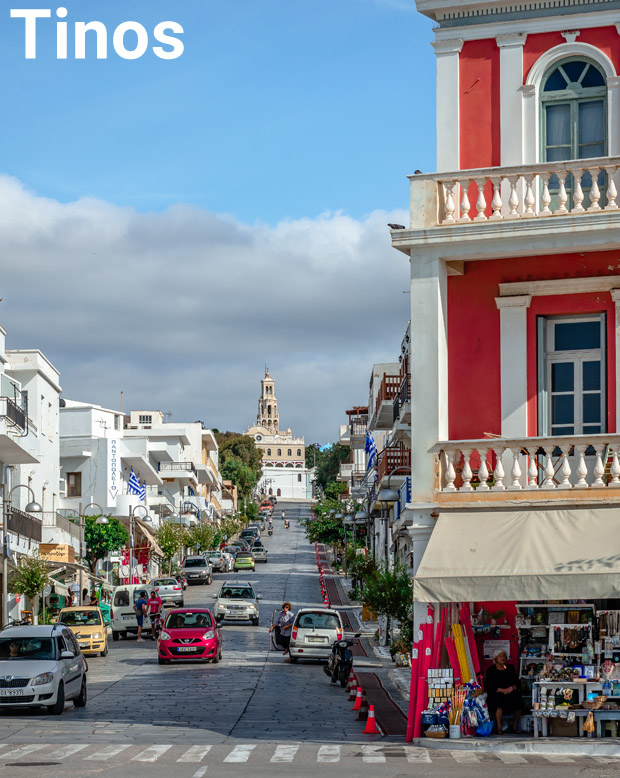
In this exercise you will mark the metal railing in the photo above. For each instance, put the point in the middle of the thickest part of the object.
(24, 524)
(13, 414)
(168, 466)
(51, 519)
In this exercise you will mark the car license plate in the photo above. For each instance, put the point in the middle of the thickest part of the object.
(129, 618)
(316, 639)
(187, 648)
(11, 692)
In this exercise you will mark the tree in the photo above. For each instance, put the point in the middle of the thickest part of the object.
(171, 539)
(101, 539)
(324, 529)
(389, 593)
(29, 579)
(202, 537)
(327, 460)
(240, 460)
(240, 474)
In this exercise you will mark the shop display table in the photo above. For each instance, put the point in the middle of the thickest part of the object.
(541, 721)
(604, 715)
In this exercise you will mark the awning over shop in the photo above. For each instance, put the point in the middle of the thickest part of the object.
(148, 534)
(522, 555)
(59, 587)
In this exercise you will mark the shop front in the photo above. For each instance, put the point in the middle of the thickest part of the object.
(525, 620)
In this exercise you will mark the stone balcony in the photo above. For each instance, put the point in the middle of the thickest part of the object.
(581, 469)
(488, 212)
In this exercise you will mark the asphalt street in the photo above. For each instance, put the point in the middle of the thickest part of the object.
(251, 714)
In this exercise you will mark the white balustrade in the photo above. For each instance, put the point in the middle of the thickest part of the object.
(535, 191)
(533, 464)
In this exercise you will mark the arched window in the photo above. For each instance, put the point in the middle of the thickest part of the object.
(279, 494)
(574, 118)
(268, 452)
(269, 410)
(279, 452)
(298, 452)
(290, 452)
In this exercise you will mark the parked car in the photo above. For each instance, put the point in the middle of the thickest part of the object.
(169, 590)
(124, 620)
(198, 570)
(189, 633)
(217, 560)
(41, 666)
(229, 559)
(314, 632)
(244, 561)
(89, 628)
(250, 534)
(259, 553)
(237, 601)
(266, 506)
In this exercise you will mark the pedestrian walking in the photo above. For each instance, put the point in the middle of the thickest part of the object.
(140, 607)
(154, 606)
(282, 626)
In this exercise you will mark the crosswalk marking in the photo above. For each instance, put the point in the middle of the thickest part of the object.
(16, 753)
(557, 758)
(465, 757)
(508, 758)
(240, 753)
(328, 754)
(200, 772)
(284, 753)
(195, 754)
(106, 753)
(65, 751)
(417, 754)
(373, 754)
(151, 754)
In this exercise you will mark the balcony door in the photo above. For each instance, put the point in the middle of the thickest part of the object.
(572, 376)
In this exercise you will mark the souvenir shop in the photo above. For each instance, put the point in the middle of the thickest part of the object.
(542, 662)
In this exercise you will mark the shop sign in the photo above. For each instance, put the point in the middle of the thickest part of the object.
(114, 471)
(56, 552)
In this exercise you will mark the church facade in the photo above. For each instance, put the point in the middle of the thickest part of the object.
(284, 455)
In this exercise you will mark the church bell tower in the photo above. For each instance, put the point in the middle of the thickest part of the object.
(268, 405)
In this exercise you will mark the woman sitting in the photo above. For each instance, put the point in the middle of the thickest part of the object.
(502, 686)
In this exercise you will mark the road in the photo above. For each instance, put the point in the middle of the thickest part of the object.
(250, 715)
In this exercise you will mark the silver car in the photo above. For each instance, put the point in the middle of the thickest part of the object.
(259, 553)
(237, 601)
(169, 590)
(41, 666)
(217, 560)
(314, 632)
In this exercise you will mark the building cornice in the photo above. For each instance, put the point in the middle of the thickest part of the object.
(519, 290)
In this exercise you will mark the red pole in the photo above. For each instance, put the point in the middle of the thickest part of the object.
(413, 689)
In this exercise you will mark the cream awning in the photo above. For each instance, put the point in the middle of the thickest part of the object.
(522, 555)
(148, 534)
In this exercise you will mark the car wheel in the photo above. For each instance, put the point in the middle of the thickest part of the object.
(216, 658)
(210, 580)
(123, 634)
(105, 651)
(80, 700)
(115, 635)
(293, 659)
(255, 622)
(57, 708)
(161, 661)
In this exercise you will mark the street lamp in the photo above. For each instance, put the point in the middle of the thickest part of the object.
(132, 518)
(32, 507)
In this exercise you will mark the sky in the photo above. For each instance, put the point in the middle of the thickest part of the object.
(168, 227)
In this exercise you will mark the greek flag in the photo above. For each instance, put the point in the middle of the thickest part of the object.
(134, 486)
(371, 449)
(143, 491)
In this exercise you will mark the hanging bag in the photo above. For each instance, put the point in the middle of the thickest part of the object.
(588, 724)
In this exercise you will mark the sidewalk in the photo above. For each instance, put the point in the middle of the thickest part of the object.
(395, 691)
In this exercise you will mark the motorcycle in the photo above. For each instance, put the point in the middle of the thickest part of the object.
(182, 580)
(270, 532)
(286, 523)
(340, 661)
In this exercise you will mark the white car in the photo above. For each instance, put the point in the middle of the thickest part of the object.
(230, 561)
(41, 666)
(237, 601)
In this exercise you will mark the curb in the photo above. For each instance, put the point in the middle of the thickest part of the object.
(581, 746)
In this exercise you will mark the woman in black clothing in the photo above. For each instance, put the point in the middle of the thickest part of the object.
(502, 686)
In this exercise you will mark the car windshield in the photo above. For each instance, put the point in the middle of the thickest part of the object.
(318, 621)
(244, 555)
(85, 618)
(26, 648)
(237, 593)
(195, 563)
(165, 582)
(188, 620)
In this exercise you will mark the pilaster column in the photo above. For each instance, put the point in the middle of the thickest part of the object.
(511, 99)
(613, 115)
(615, 296)
(513, 363)
(429, 370)
(447, 53)
(530, 124)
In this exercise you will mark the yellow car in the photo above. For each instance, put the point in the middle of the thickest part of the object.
(86, 623)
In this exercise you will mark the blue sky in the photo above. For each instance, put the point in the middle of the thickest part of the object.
(168, 227)
(275, 110)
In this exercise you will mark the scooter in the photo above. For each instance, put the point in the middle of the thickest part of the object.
(340, 661)
(182, 580)
(270, 531)
(286, 523)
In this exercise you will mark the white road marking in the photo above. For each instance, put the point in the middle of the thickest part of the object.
(65, 751)
(151, 754)
(284, 754)
(195, 754)
(417, 754)
(606, 759)
(557, 758)
(240, 753)
(465, 757)
(511, 758)
(328, 754)
(106, 753)
(16, 753)
(373, 754)
(200, 772)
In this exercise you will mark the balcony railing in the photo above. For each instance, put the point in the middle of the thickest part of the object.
(168, 466)
(530, 464)
(13, 414)
(402, 398)
(24, 524)
(394, 458)
(531, 191)
(51, 519)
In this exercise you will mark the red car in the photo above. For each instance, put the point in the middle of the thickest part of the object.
(190, 633)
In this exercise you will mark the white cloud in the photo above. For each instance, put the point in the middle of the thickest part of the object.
(181, 310)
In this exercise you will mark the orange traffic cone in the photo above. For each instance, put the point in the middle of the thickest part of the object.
(363, 709)
(353, 689)
(371, 724)
(350, 681)
(358, 699)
